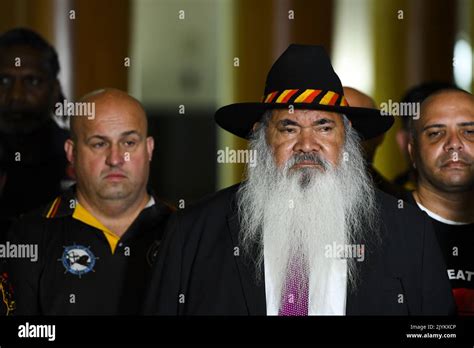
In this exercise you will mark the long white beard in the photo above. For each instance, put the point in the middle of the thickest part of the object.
(306, 213)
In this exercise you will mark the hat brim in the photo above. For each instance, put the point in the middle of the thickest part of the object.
(239, 118)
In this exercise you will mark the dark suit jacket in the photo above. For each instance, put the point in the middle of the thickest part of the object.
(201, 270)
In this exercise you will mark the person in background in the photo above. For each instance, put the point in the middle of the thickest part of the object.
(441, 148)
(34, 164)
(357, 98)
(416, 94)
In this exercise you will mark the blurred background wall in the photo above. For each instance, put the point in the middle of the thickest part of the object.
(185, 58)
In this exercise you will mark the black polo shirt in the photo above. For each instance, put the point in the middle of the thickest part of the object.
(79, 268)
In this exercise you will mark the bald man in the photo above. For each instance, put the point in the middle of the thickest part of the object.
(441, 148)
(96, 243)
(356, 98)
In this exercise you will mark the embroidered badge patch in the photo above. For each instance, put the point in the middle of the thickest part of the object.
(78, 260)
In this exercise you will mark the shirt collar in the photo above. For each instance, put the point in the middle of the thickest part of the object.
(439, 218)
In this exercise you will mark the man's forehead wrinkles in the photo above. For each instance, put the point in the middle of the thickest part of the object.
(115, 135)
(305, 117)
(320, 121)
(448, 118)
(109, 125)
(448, 103)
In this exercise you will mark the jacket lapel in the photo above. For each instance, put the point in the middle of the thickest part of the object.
(254, 293)
(352, 303)
(360, 301)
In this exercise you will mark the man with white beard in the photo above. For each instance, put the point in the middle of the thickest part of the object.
(306, 233)
(305, 211)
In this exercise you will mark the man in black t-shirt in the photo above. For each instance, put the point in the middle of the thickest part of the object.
(442, 150)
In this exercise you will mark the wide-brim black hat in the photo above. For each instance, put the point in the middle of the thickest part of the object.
(304, 78)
